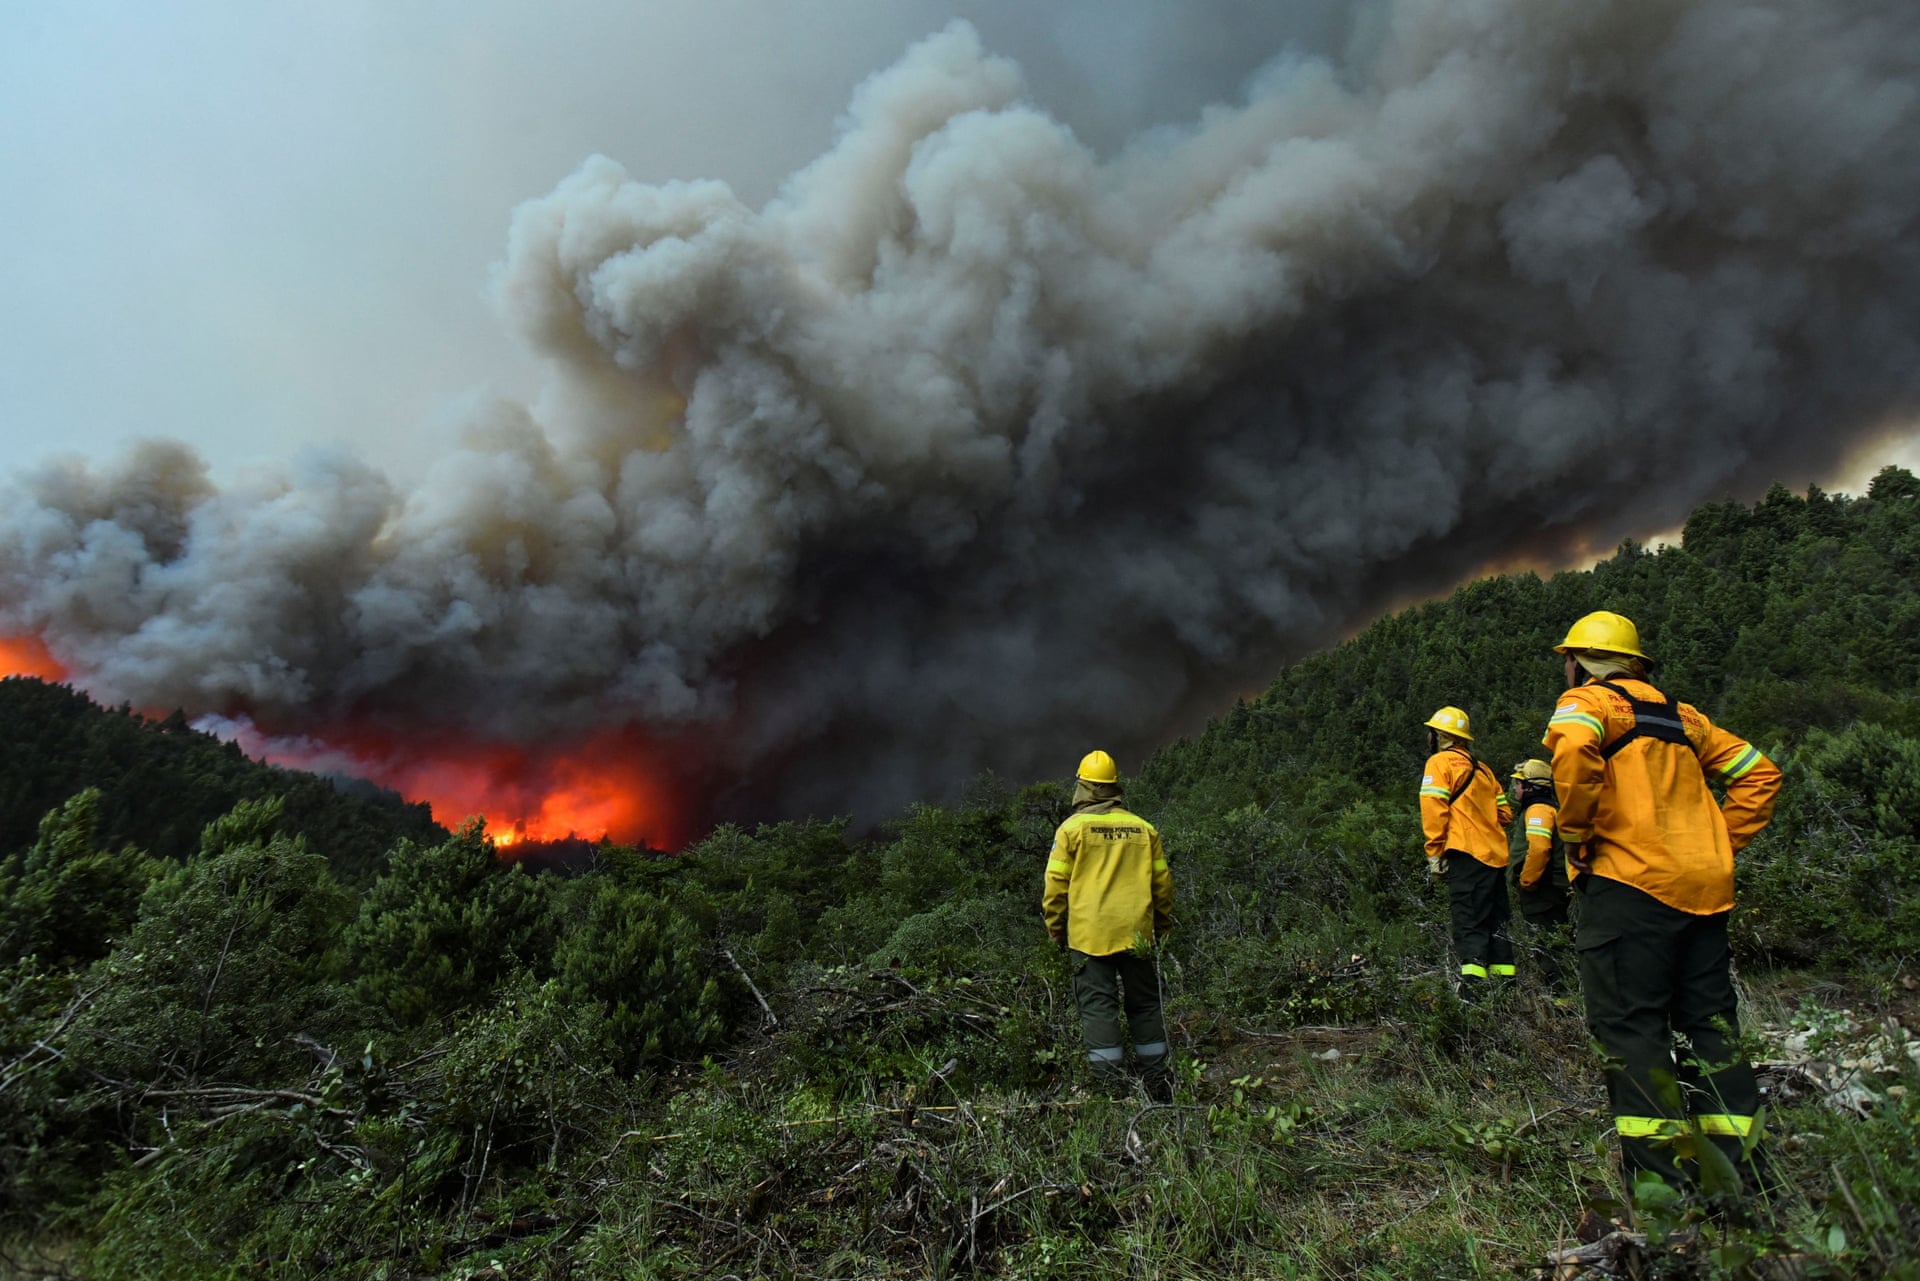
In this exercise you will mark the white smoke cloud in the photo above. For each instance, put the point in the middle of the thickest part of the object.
(974, 446)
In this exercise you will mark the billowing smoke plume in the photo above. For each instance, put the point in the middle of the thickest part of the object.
(975, 448)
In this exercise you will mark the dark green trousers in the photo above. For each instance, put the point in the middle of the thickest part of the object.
(1658, 985)
(1477, 898)
(1103, 985)
(1547, 910)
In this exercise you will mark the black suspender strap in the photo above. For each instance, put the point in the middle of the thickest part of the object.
(1460, 788)
(1658, 721)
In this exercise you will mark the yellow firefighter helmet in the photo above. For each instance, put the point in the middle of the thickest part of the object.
(1607, 632)
(1098, 767)
(1533, 772)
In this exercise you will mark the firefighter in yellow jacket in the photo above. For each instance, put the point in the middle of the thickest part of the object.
(1464, 813)
(1653, 857)
(1109, 896)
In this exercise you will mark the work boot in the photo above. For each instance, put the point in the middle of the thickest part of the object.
(1108, 1076)
(1156, 1078)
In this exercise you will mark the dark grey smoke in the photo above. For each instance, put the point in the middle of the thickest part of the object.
(976, 447)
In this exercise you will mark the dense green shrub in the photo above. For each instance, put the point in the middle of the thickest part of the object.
(445, 925)
(523, 1081)
(965, 936)
(64, 900)
(1875, 772)
(1836, 878)
(44, 1154)
(740, 878)
(226, 963)
(655, 976)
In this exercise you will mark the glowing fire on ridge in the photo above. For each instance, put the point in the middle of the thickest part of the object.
(607, 784)
(603, 785)
(600, 786)
(26, 656)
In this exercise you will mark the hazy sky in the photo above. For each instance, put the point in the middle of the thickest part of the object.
(260, 228)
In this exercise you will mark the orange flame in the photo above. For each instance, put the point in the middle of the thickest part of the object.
(610, 784)
(28, 656)
(598, 788)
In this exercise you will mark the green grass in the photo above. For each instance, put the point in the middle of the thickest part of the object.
(1469, 1146)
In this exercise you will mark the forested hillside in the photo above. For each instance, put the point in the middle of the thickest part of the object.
(789, 1053)
(161, 782)
(1793, 615)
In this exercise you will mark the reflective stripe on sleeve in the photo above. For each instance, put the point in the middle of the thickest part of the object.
(1725, 1123)
(1441, 792)
(1577, 718)
(1742, 765)
(1159, 865)
(1649, 1127)
(1058, 867)
(1472, 971)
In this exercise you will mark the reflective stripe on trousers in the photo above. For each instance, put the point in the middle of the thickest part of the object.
(1726, 1124)
(1106, 984)
(1650, 973)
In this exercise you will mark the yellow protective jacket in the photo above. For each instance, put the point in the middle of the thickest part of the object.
(1540, 840)
(1477, 821)
(1108, 886)
(1640, 804)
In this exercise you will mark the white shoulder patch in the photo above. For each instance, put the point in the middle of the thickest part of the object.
(1567, 707)
(1426, 780)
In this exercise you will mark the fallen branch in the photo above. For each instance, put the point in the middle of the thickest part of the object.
(521, 1227)
(1319, 1029)
(893, 977)
(1617, 1250)
(1010, 1109)
(231, 1095)
(1135, 1149)
(24, 1064)
(739, 969)
(1866, 1228)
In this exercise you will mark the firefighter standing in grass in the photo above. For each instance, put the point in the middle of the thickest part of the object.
(1464, 813)
(1653, 855)
(1541, 877)
(1109, 896)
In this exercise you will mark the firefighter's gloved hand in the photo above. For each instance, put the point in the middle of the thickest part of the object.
(1060, 942)
(1436, 865)
(1577, 856)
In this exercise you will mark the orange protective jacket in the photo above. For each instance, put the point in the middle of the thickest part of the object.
(1476, 823)
(1541, 826)
(1645, 814)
